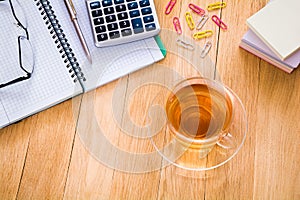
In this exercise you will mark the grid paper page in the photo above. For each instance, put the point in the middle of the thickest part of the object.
(109, 63)
(3, 118)
(50, 83)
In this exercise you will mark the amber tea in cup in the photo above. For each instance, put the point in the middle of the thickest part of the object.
(199, 112)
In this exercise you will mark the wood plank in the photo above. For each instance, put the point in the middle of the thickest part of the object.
(277, 135)
(245, 76)
(240, 71)
(48, 155)
(13, 150)
(90, 173)
(176, 183)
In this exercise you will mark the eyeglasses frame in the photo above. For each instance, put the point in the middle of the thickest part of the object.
(27, 73)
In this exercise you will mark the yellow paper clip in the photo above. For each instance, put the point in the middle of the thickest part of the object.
(202, 34)
(217, 5)
(189, 20)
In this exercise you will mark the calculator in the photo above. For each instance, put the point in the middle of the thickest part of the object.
(121, 21)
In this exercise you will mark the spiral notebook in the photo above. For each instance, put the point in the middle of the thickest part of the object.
(62, 70)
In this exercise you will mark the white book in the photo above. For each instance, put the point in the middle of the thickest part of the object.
(56, 75)
(254, 45)
(277, 25)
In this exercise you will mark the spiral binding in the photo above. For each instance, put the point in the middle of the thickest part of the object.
(60, 39)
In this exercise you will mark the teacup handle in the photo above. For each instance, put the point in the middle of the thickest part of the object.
(227, 141)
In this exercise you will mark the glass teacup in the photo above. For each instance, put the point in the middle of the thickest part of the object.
(205, 120)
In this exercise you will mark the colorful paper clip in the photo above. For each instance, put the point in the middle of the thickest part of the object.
(202, 34)
(217, 5)
(196, 9)
(177, 25)
(202, 22)
(206, 49)
(219, 22)
(189, 20)
(170, 6)
(185, 45)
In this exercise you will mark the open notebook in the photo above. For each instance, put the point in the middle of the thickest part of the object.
(59, 60)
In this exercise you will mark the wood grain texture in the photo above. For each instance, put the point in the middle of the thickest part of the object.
(53, 154)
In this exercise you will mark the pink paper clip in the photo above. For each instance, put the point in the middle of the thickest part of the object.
(196, 9)
(170, 6)
(177, 25)
(219, 22)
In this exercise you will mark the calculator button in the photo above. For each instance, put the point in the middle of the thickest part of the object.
(109, 10)
(126, 32)
(144, 3)
(124, 24)
(121, 8)
(110, 18)
(137, 25)
(132, 5)
(114, 35)
(122, 16)
(106, 3)
(150, 27)
(148, 19)
(134, 13)
(102, 37)
(98, 21)
(97, 13)
(119, 1)
(95, 5)
(112, 27)
(100, 29)
(146, 11)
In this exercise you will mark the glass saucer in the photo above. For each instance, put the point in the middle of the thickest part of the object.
(187, 158)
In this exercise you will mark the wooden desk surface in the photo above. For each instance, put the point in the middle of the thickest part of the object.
(42, 156)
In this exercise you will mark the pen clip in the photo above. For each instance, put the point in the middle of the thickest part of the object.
(72, 7)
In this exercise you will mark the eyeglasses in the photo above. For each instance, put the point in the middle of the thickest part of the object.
(25, 52)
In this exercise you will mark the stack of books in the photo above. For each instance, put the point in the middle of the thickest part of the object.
(274, 34)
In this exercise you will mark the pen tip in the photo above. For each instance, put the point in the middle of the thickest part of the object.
(89, 57)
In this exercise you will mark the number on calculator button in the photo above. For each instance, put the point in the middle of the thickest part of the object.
(102, 37)
(122, 16)
(124, 24)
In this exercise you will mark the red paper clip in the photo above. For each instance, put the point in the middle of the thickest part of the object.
(170, 6)
(177, 25)
(219, 22)
(196, 9)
